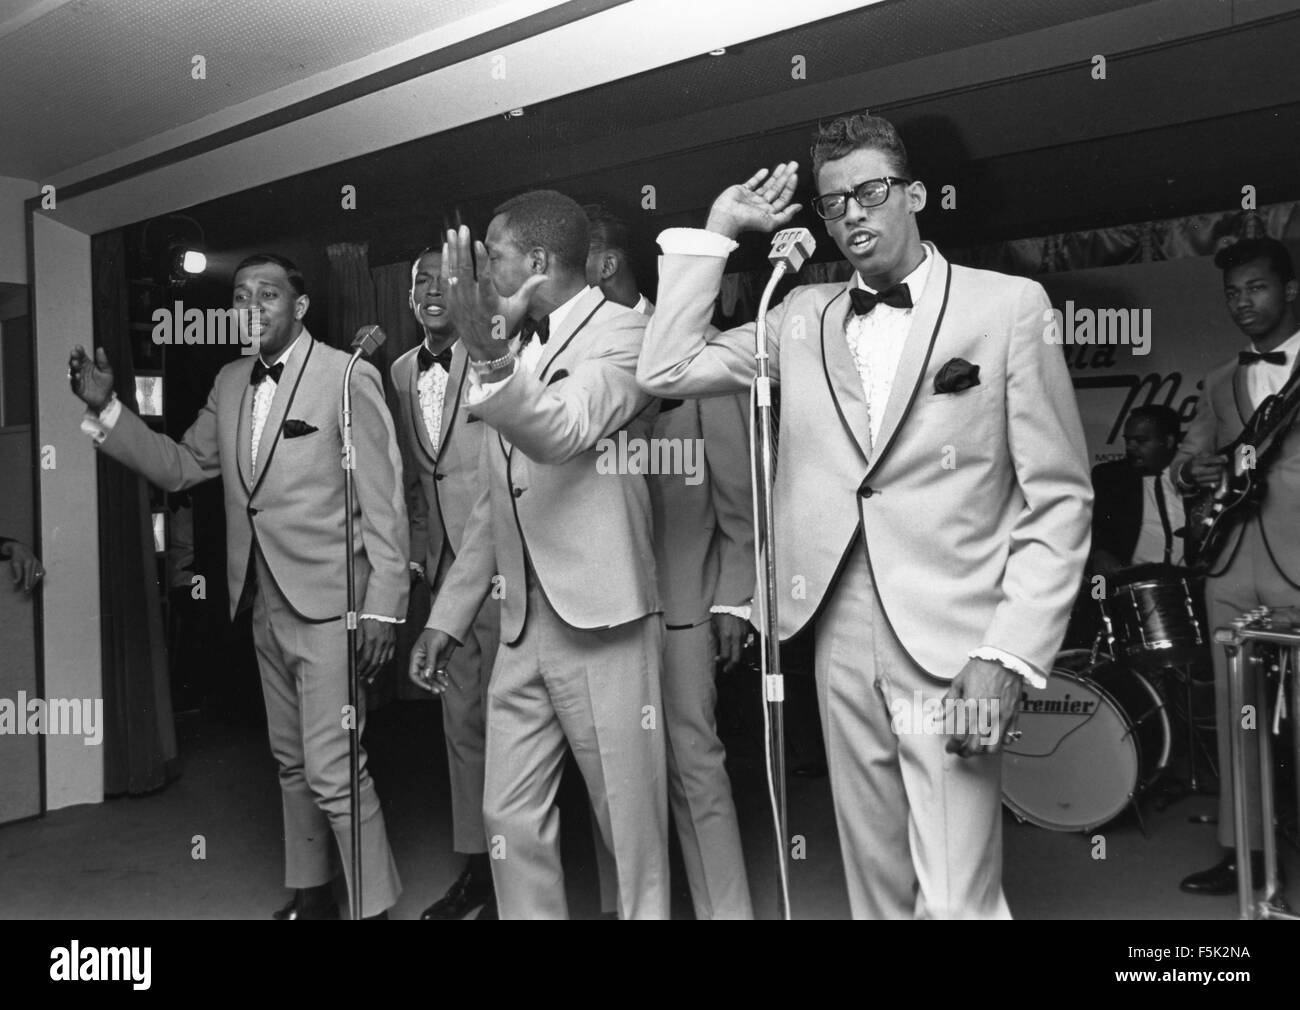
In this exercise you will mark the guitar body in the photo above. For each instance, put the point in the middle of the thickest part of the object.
(1239, 494)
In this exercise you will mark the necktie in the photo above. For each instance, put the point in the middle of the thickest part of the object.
(428, 359)
(260, 372)
(531, 328)
(864, 301)
(1268, 357)
(1164, 517)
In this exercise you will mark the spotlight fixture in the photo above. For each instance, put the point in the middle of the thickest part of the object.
(193, 261)
(717, 52)
(515, 113)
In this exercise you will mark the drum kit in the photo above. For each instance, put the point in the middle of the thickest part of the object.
(1099, 735)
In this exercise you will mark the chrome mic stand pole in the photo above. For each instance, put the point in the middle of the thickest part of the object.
(790, 248)
(367, 339)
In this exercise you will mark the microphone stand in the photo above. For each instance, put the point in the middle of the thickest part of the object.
(368, 339)
(354, 687)
(790, 248)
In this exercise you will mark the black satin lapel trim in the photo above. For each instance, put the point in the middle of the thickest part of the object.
(244, 425)
(569, 339)
(920, 378)
(270, 456)
(1240, 395)
(830, 383)
(451, 416)
(417, 415)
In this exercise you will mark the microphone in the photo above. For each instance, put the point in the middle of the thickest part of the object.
(368, 339)
(791, 248)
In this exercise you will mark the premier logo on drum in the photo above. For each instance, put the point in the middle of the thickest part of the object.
(946, 716)
(1055, 706)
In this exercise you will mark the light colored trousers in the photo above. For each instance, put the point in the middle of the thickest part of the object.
(597, 690)
(920, 829)
(304, 670)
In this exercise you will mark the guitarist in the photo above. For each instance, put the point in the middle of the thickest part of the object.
(1260, 564)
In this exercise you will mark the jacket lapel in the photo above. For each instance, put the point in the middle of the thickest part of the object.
(927, 317)
(455, 384)
(842, 372)
(285, 390)
(244, 431)
(574, 321)
(1241, 395)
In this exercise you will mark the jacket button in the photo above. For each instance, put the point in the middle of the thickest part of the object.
(252, 511)
(866, 492)
(439, 476)
(518, 492)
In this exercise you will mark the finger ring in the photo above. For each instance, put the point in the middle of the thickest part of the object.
(1013, 735)
(453, 280)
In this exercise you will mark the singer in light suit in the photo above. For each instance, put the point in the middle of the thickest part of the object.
(704, 555)
(271, 430)
(441, 452)
(931, 497)
(566, 530)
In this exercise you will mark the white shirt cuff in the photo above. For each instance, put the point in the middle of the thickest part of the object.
(696, 242)
(742, 612)
(479, 390)
(1013, 663)
(383, 619)
(97, 426)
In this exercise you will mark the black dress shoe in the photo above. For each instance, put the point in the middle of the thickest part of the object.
(300, 907)
(1221, 878)
(469, 891)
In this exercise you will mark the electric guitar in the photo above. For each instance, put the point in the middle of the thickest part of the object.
(1240, 490)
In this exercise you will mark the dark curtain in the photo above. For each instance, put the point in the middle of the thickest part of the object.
(140, 737)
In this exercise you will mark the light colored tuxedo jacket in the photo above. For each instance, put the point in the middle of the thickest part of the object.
(586, 532)
(704, 533)
(974, 504)
(1222, 411)
(443, 482)
(293, 506)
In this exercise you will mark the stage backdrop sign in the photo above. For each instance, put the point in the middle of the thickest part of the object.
(1174, 311)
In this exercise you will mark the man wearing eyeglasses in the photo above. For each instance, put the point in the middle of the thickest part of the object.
(932, 503)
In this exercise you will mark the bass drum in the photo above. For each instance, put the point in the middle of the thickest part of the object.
(1094, 738)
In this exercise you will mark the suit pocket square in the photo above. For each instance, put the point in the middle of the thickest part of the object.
(561, 374)
(294, 428)
(956, 375)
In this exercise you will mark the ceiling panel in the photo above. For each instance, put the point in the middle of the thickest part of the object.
(93, 76)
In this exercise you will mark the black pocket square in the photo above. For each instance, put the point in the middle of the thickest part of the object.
(956, 375)
(561, 374)
(294, 428)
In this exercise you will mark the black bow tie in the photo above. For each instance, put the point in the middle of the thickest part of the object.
(864, 301)
(428, 359)
(531, 328)
(260, 372)
(1268, 357)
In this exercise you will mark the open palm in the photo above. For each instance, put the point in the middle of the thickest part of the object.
(760, 203)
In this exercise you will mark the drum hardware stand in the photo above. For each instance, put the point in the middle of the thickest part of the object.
(1239, 641)
(1177, 789)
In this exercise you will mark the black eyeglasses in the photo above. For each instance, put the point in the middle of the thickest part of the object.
(871, 193)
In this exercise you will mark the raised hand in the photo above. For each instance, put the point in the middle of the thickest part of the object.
(91, 381)
(760, 203)
(484, 320)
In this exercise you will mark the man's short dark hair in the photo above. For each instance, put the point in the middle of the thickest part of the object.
(608, 229)
(546, 218)
(296, 279)
(861, 130)
(1165, 419)
(1248, 250)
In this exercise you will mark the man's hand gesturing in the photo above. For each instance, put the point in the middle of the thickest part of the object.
(761, 203)
(91, 380)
